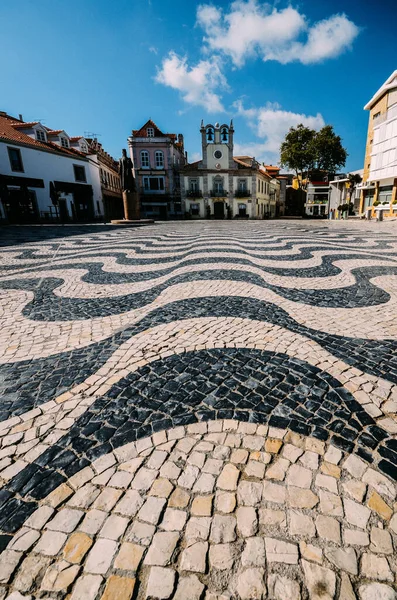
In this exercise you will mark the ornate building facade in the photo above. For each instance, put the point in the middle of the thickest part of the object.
(221, 185)
(157, 158)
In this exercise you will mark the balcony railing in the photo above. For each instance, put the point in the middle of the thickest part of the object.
(218, 193)
(242, 194)
(194, 194)
(146, 191)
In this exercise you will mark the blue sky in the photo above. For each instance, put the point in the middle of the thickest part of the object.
(106, 67)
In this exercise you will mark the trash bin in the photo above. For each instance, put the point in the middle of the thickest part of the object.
(379, 216)
(369, 213)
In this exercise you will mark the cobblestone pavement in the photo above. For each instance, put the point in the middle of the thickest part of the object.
(200, 411)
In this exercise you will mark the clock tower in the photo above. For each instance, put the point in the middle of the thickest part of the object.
(217, 146)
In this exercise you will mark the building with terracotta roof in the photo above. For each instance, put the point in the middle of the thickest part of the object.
(221, 185)
(108, 169)
(46, 175)
(157, 158)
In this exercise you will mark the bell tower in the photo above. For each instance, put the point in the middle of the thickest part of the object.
(217, 146)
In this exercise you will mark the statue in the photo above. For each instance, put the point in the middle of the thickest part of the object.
(130, 194)
(125, 171)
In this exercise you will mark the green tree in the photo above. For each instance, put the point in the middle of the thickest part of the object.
(330, 154)
(354, 180)
(304, 150)
(298, 152)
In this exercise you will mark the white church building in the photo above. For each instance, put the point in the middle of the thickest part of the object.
(221, 185)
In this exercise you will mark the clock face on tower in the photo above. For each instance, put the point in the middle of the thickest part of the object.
(218, 154)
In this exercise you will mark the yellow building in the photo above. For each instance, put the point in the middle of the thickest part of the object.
(379, 186)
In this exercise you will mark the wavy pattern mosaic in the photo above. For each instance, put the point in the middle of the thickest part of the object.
(108, 337)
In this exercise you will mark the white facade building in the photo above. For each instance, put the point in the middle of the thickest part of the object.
(317, 198)
(384, 142)
(221, 185)
(339, 192)
(379, 188)
(45, 175)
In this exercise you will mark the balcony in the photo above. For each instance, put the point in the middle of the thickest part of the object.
(242, 194)
(146, 191)
(218, 193)
(194, 194)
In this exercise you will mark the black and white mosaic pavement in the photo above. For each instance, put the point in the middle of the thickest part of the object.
(110, 336)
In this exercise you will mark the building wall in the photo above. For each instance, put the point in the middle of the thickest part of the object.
(317, 199)
(380, 168)
(384, 148)
(49, 167)
(173, 160)
(379, 107)
(257, 204)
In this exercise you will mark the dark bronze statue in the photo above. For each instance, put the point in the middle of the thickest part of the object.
(125, 171)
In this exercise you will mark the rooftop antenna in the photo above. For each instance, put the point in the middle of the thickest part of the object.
(92, 135)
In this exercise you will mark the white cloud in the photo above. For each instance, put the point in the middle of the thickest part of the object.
(153, 50)
(326, 39)
(271, 123)
(251, 29)
(197, 84)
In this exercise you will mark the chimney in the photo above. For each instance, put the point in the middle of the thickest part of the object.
(20, 117)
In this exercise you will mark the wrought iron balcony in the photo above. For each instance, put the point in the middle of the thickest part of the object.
(218, 193)
(242, 194)
(194, 194)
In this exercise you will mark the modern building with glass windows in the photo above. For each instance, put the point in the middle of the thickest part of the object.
(379, 186)
(157, 158)
(222, 186)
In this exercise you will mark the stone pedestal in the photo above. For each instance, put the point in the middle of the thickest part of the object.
(131, 206)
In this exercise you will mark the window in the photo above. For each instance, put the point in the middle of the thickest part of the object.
(150, 132)
(159, 157)
(64, 142)
(376, 115)
(145, 164)
(84, 148)
(218, 186)
(242, 185)
(40, 135)
(153, 184)
(79, 173)
(193, 184)
(15, 159)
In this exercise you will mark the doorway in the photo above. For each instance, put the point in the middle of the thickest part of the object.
(219, 210)
(63, 210)
(242, 211)
(21, 206)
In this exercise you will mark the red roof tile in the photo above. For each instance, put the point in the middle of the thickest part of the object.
(20, 125)
(142, 132)
(10, 132)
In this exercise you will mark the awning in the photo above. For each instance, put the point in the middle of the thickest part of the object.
(70, 188)
(21, 181)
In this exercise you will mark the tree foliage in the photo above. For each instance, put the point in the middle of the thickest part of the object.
(305, 150)
(354, 180)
